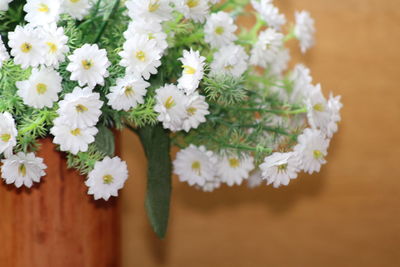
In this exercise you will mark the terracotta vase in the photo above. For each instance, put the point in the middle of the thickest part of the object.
(56, 223)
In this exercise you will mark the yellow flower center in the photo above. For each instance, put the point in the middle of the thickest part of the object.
(81, 108)
(129, 91)
(154, 6)
(319, 107)
(189, 70)
(5, 137)
(228, 67)
(140, 55)
(318, 154)
(191, 111)
(41, 88)
(22, 170)
(108, 179)
(196, 167)
(151, 36)
(26, 47)
(43, 8)
(87, 64)
(192, 3)
(76, 132)
(282, 167)
(74, 1)
(169, 103)
(52, 46)
(219, 30)
(234, 162)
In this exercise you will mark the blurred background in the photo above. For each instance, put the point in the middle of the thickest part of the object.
(348, 215)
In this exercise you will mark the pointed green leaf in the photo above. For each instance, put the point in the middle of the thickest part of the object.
(105, 141)
(156, 143)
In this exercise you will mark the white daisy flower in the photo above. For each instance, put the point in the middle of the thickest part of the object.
(334, 106)
(8, 134)
(196, 112)
(280, 63)
(318, 111)
(107, 177)
(149, 10)
(220, 29)
(193, 71)
(27, 47)
(89, 65)
(304, 30)
(302, 83)
(23, 169)
(267, 47)
(197, 10)
(226, 64)
(195, 165)
(233, 169)
(210, 185)
(171, 106)
(141, 56)
(128, 93)
(41, 89)
(312, 149)
(42, 12)
(279, 168)
(255, 179)
(151, 29)
(81, 108)
(76, 8)
(72, 139)
(4, 4)
(3, 53)
(56, 42)
(269, 13)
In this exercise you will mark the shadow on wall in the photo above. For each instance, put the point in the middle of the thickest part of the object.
(278, 201)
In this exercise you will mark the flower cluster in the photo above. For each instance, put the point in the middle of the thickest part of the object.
(74, 69)
(309, 127)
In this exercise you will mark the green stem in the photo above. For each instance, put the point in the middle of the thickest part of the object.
(254, 31)
(291, 35)
(277, 111)
(254, 126)
(106, 19)
(193, 38)
(268, 129)
(225, 5)
(34, 125)
(243, 147)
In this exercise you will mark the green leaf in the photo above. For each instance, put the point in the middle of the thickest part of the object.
(156, 143)
(105, 141)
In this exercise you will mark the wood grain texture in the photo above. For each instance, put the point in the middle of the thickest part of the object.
(56, 223)
(348, 215)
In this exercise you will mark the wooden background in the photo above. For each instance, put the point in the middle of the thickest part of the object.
(348, 215)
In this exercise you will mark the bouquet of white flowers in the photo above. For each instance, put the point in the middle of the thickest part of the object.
(176, 72)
